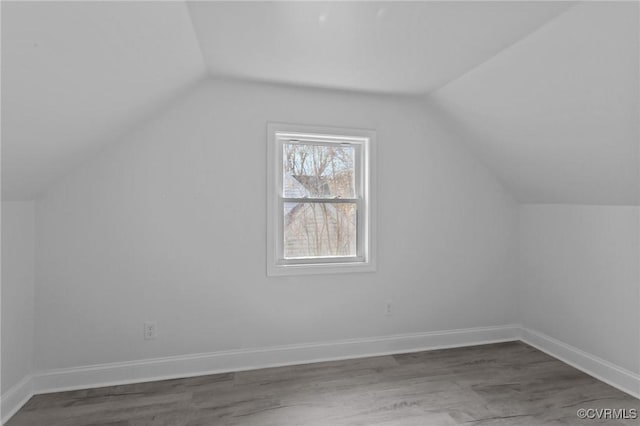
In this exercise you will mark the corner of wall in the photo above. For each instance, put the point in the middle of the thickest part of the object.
(18, 283)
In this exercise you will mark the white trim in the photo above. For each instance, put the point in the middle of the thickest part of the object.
(255, 358)
(605, 371)
(365, 139)
(146, 370)
(13, 399)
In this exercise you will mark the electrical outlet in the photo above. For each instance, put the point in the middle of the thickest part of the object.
(388, 308)
(150, 330)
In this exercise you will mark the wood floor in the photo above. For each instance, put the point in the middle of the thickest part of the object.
(500, 384)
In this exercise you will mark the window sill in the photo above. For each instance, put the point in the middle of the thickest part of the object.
(320, 268)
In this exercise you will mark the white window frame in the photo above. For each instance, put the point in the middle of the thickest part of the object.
(364, 142)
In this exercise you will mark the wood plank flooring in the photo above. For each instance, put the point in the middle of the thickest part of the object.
(500, 384)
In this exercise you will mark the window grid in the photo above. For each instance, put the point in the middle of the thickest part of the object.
(278, 262)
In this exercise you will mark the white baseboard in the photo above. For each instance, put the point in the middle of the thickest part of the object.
(246, 359)
(16, 397)
(146, 370)
(251, 359)
(614, 375)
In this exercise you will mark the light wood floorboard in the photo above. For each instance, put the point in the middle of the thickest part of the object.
(510, 384)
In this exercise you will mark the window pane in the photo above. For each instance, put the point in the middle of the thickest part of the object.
(318, 171)
(319, 230)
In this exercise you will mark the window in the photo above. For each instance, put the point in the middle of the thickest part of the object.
(320, 203)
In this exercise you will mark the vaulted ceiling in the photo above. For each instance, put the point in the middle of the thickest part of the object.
(77, 74)
(545, 93)
(556, 114)
(405, 47)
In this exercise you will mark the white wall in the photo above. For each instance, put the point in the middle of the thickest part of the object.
(579, 276)
(169, 225)
(17, 291)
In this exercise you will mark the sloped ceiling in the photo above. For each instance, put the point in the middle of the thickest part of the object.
(544, 92)
(393, 47)
(556, 114)
(78, 74)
